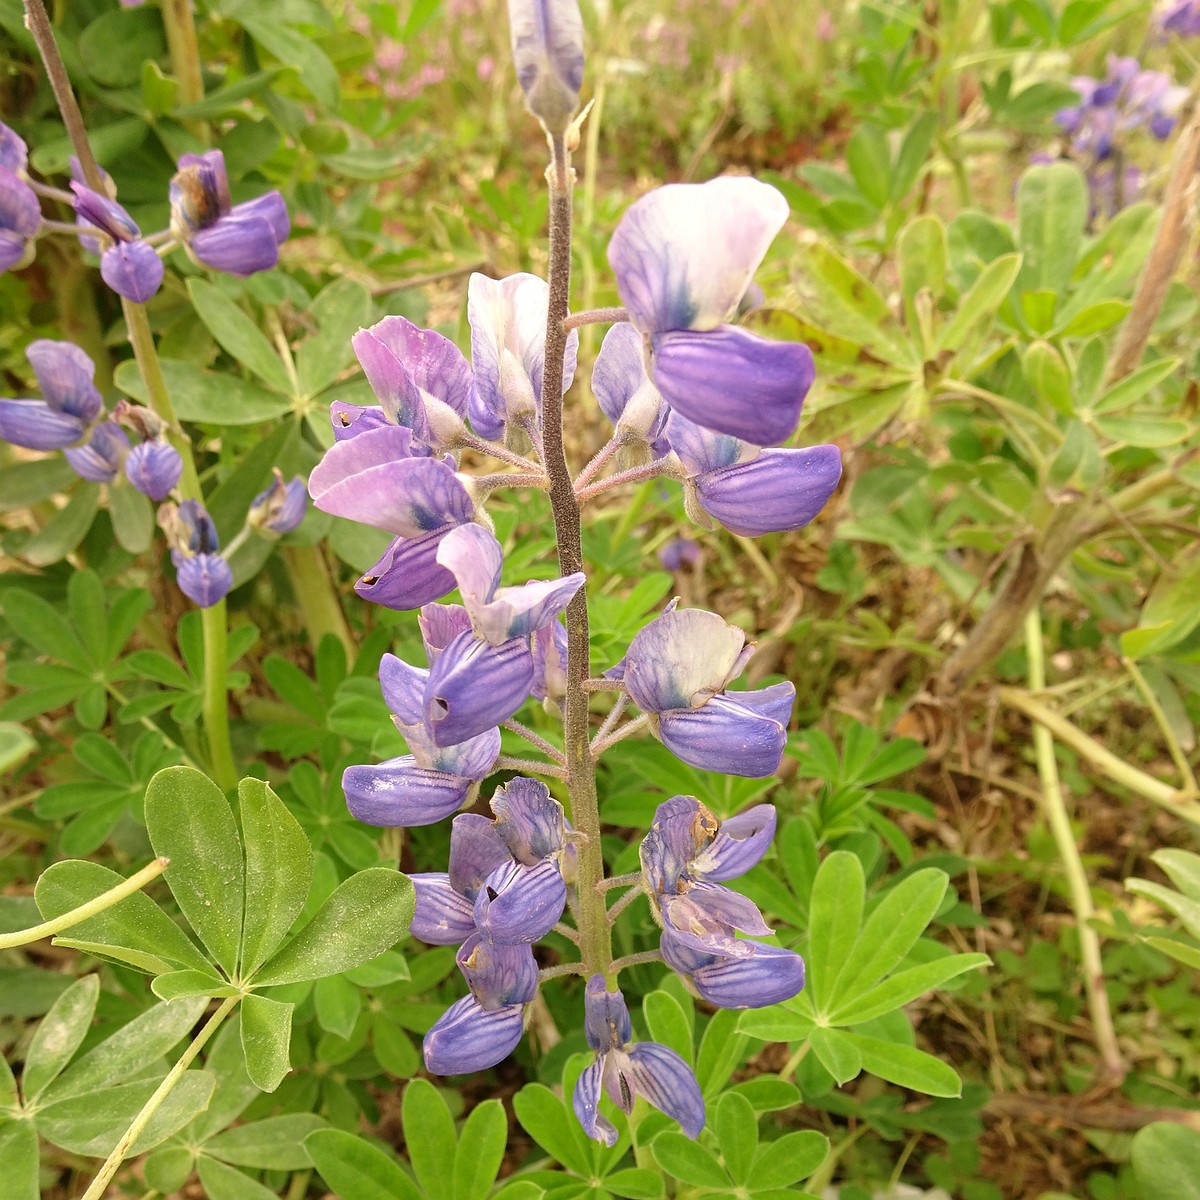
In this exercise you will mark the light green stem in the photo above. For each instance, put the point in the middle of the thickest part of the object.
(308, 570)
(216, 695)
(1055, 808)
(100, 1184)
(1152, 703)
(180, 26)
(1182, 804)
(135, 883)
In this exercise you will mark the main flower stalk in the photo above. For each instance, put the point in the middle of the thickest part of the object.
(595, 937)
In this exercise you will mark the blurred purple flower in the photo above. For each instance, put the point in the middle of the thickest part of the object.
(70, 400)
(102, 456)
(14, 154)
(1179, 17)
(130, 266)
(20, 219)
(237, 238)
(547, 43)
(154, 467)
(203, 575)
(279, 508)
(678, 553)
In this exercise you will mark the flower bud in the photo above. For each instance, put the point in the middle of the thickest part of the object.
(547, 40)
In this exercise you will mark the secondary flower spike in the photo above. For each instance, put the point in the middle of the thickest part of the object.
(547, 43)
(626, 1071)
(70, 404)
(130, 266)
(684, 256)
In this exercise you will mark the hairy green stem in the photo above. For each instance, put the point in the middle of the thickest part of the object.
(100, 1184)
(135, 883)
(308, 569)
(1171, 800)
(594, 937)
(1055, 809)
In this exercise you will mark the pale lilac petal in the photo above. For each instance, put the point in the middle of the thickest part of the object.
(627, 396)
(104, 213)
(666, 1081)
(442, 917)
(475, 686)
(473, 556)
(586, 1101)
(732, 908)
(703, 450)
(399, 793)
(132, 270)
(684, 254)
(349, 420)
(519, 903)
(728, 734)
(682, 828)
(547, 45)
(14, 154)
(476, 850)
(36, 426)
(408, 574)
(550, 662)
(403, 688)
(768, 976)
(498, 974)
(739, 845)
(204, 579)
(65, 373)
(530, 821)
(735, 382)
(468, 1037)
(473, 759)
(20, 210)
(13, 249)
(778, 490)
(680, 659)
(689, 925)
(440, 624)
(373, 479)
(101, 458)
(271, 207)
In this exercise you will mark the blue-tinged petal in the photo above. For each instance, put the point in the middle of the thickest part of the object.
(620, 383)
(547, 45)
(586, 1102)
(605, 1016)
(682, 957)
(20, 211)
(693, 926)
(734, 382)
(476, 850)
(521, 611)
(14, 154)
(739, 845)
(473, 759)
(442, 916)
(731, 908)
(398, 792)
(270, 206)
(197, 530)
(550, 662)
(238, 244)
(726, 735)
(403, 688)
(101, 458)
(768, 976)
(666, 1081)
(475, 686)
(473, 556)
(498, 975)
(684, 254)
(412, 370)
(280, 507)
(519, 903)
(154, 468)
(529, 820)
(778, 490)
(36, 426)
(349, 420)
(132, 270)
(408, 574)
(373, 479)
(104, 213)
(703, 450)
(204, 579)
(680, 659)
(469, 1037)
(65, 373)
(15, 250)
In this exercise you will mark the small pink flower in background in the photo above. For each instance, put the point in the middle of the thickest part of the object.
(825, 29)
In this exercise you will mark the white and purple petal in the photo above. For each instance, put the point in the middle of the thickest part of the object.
(586, 1102)
(660, 1076)
(740, 843)
(768, 976)
(547, 45)
(680, 659)
(498, 974)
(626, 395)
(530, 821)
(476, 850)
(685, 254)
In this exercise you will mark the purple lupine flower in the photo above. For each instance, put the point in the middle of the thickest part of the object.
(154, 467)
(684, 256)
(377, 479)
(685, 857)
(422, 380)
(626, 396)
(130, 266)
(677, 669)
(102, 456)
(550, 663)
(626, 1071)
(547, 44)
(508, 350)
(14, 154)
(279, 508)
(1104, 199)
(204, 577)
(20, 220)
(519, 903)
(432, 780)
(236, 238)
(678, 553)
(70, 400)
(752, 491)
